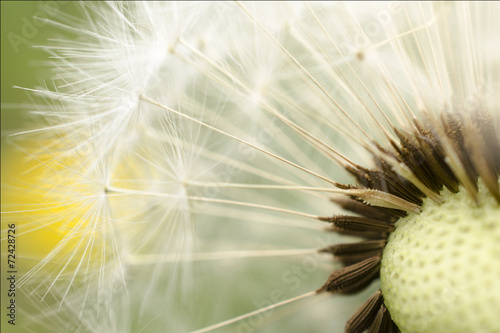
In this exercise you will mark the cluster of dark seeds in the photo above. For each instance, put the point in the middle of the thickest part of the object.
(446, 153)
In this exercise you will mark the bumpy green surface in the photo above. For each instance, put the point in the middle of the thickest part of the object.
(441, 269)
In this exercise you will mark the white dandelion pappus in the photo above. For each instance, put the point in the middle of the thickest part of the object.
(245, 120)
(91, 114)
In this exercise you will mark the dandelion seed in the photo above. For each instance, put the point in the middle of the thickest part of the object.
(223, 154)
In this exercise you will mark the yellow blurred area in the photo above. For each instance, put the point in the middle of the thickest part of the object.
(19, 199)
(35, 199)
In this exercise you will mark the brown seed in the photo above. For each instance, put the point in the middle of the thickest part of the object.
(352, 278)
(378, 213)
(363, 318)
(381, 321)
(358, 223)
(354, 252)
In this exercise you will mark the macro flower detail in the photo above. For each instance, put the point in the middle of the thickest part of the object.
(423, 153)
(197, 166)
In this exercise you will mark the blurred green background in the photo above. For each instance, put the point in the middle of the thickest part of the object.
(20, 60)
(16, 60)
(23, 65)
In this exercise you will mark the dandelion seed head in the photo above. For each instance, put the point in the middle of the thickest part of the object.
(439, 265)
(198, 148)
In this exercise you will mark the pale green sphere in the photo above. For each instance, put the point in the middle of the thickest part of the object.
(441, 268)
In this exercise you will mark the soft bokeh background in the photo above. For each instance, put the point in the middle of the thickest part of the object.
(22, 65)
(21, 60)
